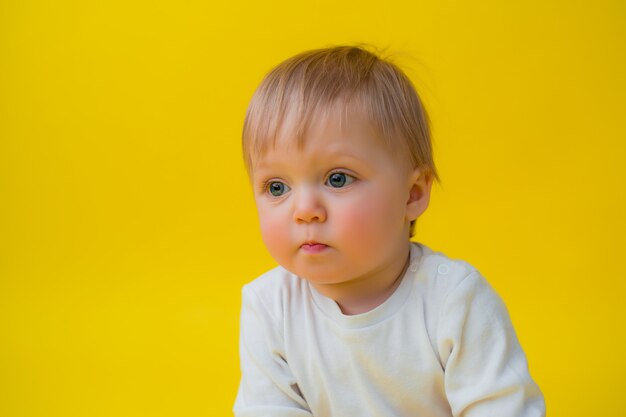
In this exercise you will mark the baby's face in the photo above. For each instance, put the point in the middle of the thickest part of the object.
(334, 210)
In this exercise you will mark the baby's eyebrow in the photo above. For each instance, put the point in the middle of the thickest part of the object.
(339, 155)
(263, 172)
(262, 167)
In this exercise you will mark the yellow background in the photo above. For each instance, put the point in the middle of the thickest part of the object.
(127, 226)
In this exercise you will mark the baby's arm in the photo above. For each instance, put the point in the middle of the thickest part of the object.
(267, 387)
(486, 373)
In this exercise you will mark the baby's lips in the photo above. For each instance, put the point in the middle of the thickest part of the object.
(313, 247)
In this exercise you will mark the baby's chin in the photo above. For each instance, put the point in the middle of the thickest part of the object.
(314, 275)
(321, 275)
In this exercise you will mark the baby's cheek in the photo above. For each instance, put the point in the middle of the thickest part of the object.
(364, 222)
(275, 234)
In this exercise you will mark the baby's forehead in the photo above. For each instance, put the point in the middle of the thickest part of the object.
(338, 136)
(335, 123)
(294, 127)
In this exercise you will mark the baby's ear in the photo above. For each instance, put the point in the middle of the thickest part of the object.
(420, 184)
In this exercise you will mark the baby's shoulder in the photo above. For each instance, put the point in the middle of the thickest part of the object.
(438, 275)
(453, 280)
(275, 280)
(438, 267)
(275, 290)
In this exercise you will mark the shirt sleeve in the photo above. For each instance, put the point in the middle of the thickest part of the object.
(486, 372)
(267, 387)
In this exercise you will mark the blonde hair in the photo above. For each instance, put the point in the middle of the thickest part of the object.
(317, 82)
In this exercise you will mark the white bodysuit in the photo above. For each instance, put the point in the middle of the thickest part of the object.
(442, 345)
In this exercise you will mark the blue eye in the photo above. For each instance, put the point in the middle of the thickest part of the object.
(277, 188)
(339, 179)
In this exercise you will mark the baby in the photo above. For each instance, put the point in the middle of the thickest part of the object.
(358, 320)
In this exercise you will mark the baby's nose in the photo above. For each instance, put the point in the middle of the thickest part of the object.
(308, 207)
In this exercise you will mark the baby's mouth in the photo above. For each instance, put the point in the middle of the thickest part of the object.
(313, 247)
